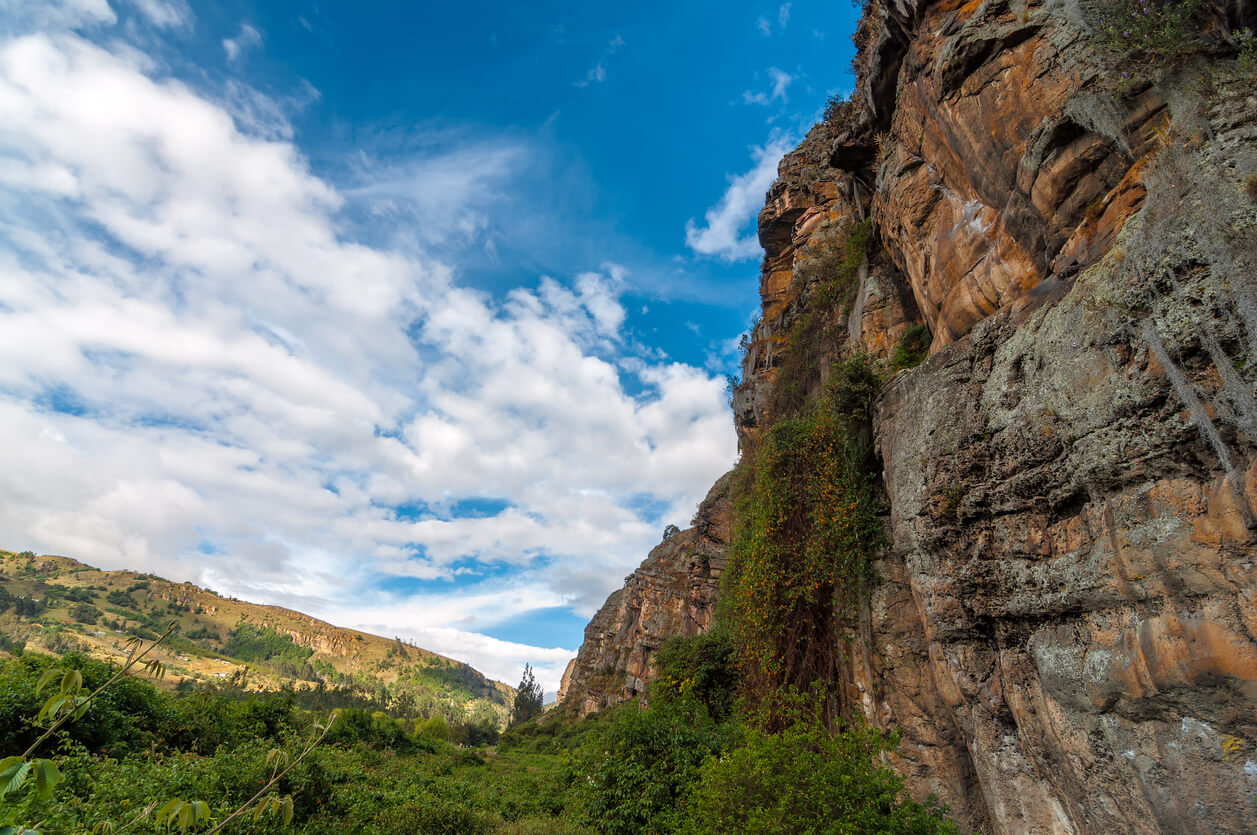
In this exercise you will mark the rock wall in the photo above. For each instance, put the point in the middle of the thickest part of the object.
(1066, 628)
(673, 592)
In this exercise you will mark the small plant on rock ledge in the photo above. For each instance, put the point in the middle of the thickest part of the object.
(912, 349)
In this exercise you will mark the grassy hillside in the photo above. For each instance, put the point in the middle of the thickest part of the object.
(55, 605)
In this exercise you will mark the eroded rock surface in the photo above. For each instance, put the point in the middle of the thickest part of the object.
(673, 592)
(1066, 627)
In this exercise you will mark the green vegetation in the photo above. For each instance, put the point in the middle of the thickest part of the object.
(250, 642)
(912, 349)
(696, 763)
(528, 698)
(801, 558)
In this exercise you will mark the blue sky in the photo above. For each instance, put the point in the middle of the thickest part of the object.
(413, 318)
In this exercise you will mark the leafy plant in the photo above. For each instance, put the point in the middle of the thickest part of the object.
(911, 349)
(1151, 30)
(808, 779)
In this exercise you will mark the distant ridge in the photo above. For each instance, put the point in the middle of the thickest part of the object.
(55, 604)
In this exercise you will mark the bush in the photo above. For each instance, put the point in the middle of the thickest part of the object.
(85, 613)
(120, 599)
(807, 779)
(702, 668)
(635, 773)
(1151, 30)
(912, 349)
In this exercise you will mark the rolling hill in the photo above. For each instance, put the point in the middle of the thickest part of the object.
(55, 605)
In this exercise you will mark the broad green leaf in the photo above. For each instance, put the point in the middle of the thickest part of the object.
(13, 772)
(103, 828)
(47, 677)
(71, 682)
(48, 713)
(47, 776)
(286, 810)
(168, 811)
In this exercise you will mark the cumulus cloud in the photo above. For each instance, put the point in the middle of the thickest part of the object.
(725, 232)
(246, 39)
(203, 375)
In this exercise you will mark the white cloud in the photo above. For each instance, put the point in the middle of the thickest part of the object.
(723, 234)
(781, 81)
(764, 26)
(246, 39)
(165, 14)
(783, 15)
(203, 376)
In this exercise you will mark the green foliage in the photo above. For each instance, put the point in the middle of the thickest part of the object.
(808, 779)
(803, 547)
(250, 642)
(85, 613)
(701, 668)
(435, 729)
(528, 698)
(634, 773)
(121, 599)
(911, 349)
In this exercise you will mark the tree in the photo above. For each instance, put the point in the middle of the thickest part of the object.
(528, 698)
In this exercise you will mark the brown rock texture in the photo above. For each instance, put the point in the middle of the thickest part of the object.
(673, 592)
(1066, 626)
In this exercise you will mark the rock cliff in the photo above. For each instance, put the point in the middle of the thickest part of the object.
(1066, 625)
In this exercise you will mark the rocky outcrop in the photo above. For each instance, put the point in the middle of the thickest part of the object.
(1066, 627)
(673, 592)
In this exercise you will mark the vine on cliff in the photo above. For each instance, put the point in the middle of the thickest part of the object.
(801, 557)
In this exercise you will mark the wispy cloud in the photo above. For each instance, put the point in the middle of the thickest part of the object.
(165, 14)
(724, 234)
(598, 72)
(246, 39)
(781, 81)
(765, 26)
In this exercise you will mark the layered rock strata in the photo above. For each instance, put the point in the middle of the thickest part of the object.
(1066, 627)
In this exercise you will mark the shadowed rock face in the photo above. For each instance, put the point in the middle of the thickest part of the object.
(1066, 627)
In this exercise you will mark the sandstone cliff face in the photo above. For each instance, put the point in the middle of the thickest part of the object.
(672, 593)
(1066, 628)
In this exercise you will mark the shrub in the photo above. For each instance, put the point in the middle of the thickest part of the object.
(85, 613)
(1151, 30)
(911, 349)
(635, 773)
(701, 668)
(807, 779)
